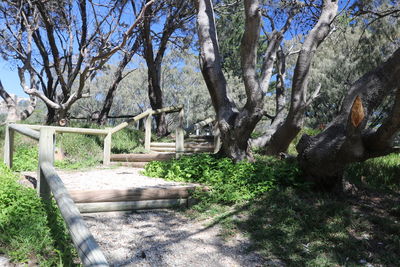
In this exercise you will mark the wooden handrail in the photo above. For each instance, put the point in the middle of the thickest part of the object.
(59, 129)
(88, 250)
(48, 181)
(22, 129)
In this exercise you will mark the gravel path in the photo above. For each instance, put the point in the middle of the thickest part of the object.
(156, 237)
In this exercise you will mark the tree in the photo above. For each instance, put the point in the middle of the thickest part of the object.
(57, 49)
(237, 125)
(347, 138)
(174, 16)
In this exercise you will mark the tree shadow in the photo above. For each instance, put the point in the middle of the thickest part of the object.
(306, 228)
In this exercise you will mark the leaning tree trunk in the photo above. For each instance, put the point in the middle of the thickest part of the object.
(324, 157)
(289, 129)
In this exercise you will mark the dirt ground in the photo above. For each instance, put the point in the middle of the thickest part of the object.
(154, 237)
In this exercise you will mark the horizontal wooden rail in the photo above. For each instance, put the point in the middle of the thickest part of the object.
(87, 247)
(59, 129)
(22, 129)
(141, 157)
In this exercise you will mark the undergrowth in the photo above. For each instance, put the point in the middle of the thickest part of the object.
(229, 182)
(26, 232)
(382, 173)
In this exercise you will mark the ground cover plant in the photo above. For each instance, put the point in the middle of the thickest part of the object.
(31, 231)
(287, 222)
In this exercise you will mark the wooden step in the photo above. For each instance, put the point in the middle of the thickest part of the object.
(141, 157)
(132, 194)
(129, 164)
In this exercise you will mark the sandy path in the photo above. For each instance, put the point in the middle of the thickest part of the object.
(156, 237)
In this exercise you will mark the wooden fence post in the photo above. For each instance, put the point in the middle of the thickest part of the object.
(107, 149)
(46, 154)
(8, 147)
(147, 136)
(179, 136)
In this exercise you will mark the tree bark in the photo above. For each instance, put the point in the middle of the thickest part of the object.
(293, 123)
(347, 139)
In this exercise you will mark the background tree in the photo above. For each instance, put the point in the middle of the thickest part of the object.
(56, 48)
(173, 17)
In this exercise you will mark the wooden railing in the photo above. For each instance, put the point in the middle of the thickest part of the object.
(48, 181)
(148, 114)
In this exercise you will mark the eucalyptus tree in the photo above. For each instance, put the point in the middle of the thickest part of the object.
(166, 22)
(57, 44)
(236, 125)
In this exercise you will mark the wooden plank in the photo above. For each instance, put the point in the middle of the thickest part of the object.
(130, 164)
(180, 136)
(136, 118)
(147, 135)
(187, 150)
(88, 250)
(131, 194)
(130, 205)
(186, 145)
(107, 149)
(141, 157)
(58, 129)
(46, 154)
(22, 129)
(8, 147)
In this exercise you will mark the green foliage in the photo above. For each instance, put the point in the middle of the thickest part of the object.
(229, 182)
(25, 230)
(127, 141)
(25, 158)
(80, 147)
(382, 173)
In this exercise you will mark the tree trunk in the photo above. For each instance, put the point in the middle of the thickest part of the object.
(118, 76)
(286, 132)
(324, 157)
(156, 97)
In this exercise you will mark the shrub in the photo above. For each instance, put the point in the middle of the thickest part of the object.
(25, 231)
(229, 182)
(382, 173)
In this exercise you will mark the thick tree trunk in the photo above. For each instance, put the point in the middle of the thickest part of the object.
(346, 140)
(286, 132)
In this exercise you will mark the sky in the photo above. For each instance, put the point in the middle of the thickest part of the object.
(9, 79)
(9, 75)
